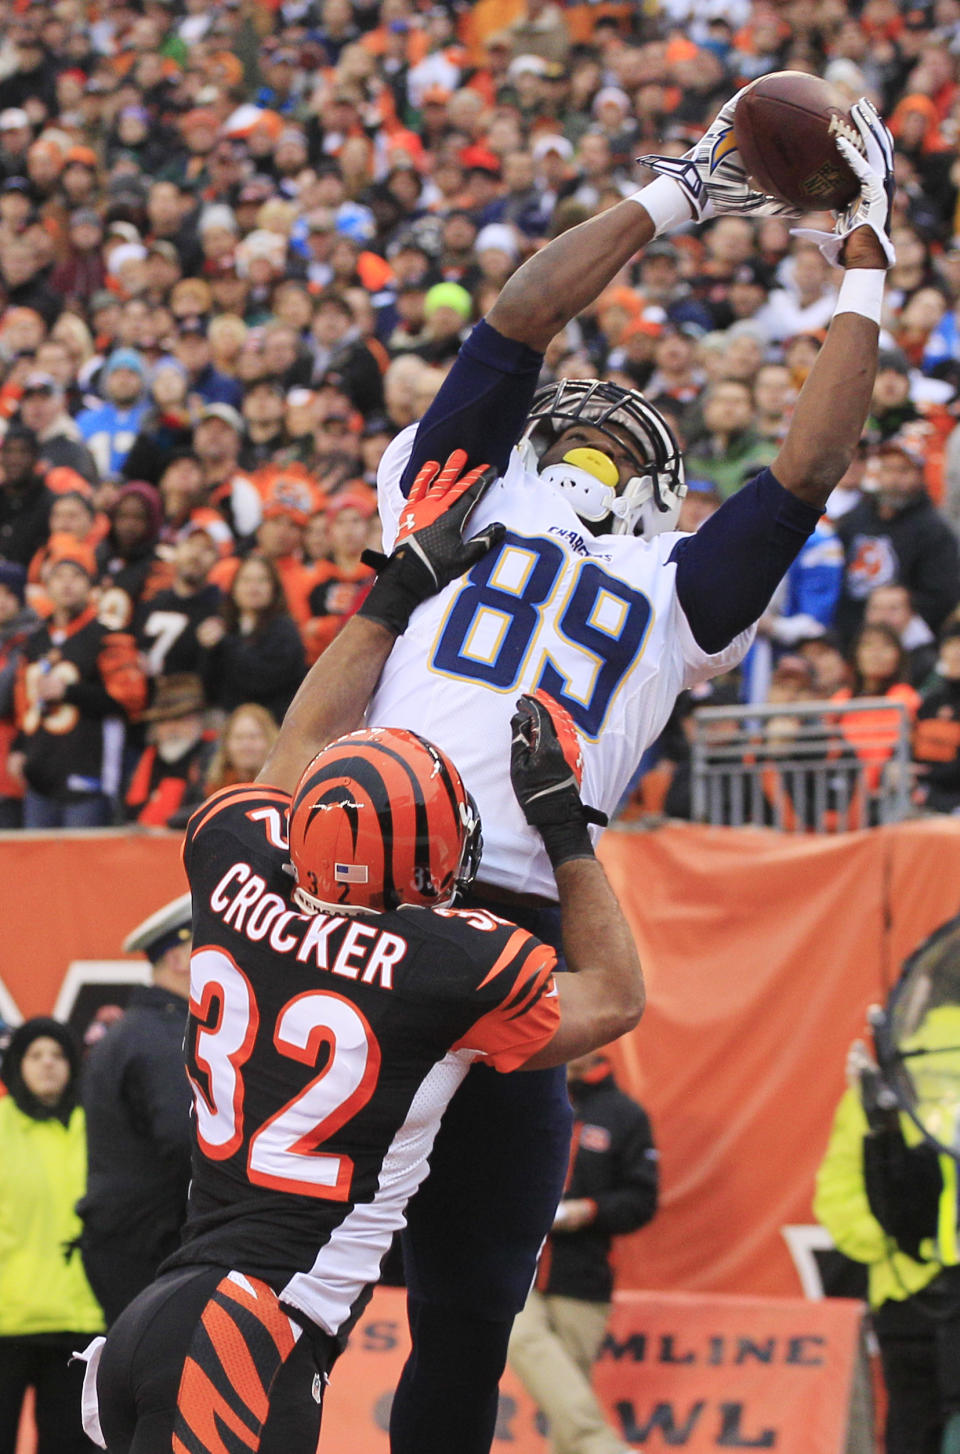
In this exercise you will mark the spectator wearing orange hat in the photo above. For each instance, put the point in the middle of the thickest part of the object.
(336, 586)
(76, 685)
(289, 499)
(198, 127)
(71, 513)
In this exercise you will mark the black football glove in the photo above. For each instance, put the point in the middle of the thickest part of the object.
(430, 551)
(903, 1185)
(546, 768)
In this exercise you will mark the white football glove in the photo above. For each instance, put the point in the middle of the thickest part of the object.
(713, 177)
(875, 170)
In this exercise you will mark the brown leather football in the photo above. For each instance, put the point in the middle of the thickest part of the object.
(785, 126)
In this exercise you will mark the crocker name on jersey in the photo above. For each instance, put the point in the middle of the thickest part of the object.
(322, 1051)
(593, 620)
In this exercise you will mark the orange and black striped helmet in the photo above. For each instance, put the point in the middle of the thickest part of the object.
(382, 818)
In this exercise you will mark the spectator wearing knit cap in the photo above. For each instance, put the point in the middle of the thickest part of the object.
(110, 428)
(166, 427)
(126, 558)
(47, 1309)
(447, 311)
(16, 134)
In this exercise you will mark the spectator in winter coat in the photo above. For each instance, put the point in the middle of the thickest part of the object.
(896, 534)
(168, 781)
(43, 409)
(76, 683)
(611, 1189)
(936, 738)
(137, 1102)
(255, 653)
(47, 1309)
(111, 428)
(126, 557)
(24, 498)
(17, 620)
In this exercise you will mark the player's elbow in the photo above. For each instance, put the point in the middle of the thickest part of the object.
(526, 317)
(812, 474)
(630, 1002)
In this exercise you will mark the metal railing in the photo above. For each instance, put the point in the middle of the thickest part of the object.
(821, 767)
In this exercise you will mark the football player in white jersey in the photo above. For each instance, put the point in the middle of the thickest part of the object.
(594, 598)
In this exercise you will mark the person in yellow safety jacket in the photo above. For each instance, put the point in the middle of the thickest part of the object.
(890, 1201)
(47, 1310)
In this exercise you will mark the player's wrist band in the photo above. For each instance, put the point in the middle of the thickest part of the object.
(862, 292)
(402, 585)
(564, 841)
(666, 203)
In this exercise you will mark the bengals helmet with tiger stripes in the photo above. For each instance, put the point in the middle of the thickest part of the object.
(378, 819)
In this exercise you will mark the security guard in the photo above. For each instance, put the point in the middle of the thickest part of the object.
(890, 1201)
(137, 1102)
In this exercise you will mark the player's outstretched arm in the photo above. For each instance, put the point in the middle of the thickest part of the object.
(564, 277)
(604, 997)
(430, 552)
(561, 280)
(833, 404)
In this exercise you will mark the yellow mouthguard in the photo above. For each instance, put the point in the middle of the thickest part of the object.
(600, 465)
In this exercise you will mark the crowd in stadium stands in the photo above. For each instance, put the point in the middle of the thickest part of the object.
(240, 244)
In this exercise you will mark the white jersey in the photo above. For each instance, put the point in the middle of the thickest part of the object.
(593, 620)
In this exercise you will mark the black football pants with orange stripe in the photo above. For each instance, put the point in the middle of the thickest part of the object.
(201, 1363)
(474, 1232)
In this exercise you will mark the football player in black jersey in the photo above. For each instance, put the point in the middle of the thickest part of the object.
(337, 1001)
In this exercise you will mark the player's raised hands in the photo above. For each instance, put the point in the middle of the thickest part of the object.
(430, 551)
(546, 769)
(874, 170)
(713, 178)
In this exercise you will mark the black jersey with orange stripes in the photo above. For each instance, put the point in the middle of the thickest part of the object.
(322, 1050)
(69, 751)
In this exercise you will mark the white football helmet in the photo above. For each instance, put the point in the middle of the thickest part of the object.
(649, 502)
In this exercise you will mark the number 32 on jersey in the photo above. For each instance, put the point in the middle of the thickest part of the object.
(317, 1028)
(504, 613)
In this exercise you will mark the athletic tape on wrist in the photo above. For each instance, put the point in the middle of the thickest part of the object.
(666, 203)
(862, 292)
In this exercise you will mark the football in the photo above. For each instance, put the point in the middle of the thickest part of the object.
(785, 127)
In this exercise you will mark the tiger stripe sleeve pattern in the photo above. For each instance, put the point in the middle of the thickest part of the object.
(526, 1018)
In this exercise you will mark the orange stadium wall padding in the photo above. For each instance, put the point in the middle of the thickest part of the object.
(700, 1371)
(761, 951)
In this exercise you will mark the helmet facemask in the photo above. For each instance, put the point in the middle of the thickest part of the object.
(649, 502)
